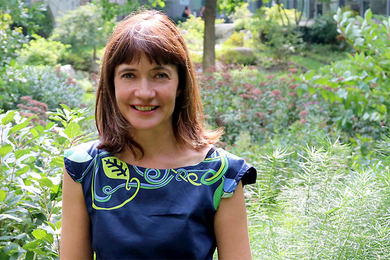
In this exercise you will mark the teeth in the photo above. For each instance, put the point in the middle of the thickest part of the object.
(144, 108)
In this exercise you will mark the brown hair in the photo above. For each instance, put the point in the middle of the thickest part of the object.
(154, 34)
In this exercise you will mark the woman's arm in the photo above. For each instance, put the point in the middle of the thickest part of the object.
(76, 242)
(231, 229)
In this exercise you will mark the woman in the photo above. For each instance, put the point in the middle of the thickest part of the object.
(152, 186)
(186, 12)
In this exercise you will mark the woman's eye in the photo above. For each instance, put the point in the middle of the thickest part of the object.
(128, 75)
(162, 75)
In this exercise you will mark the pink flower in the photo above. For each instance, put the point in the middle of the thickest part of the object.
(303, 113)
(270, 76)
(256, 91)
(293, 70)
(276, 92)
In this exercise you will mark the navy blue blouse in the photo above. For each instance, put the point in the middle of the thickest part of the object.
(142, 213)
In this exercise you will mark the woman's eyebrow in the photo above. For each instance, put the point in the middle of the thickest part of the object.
(161, 68)
(126, 70)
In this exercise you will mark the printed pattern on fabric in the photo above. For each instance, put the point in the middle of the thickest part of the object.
(130, 179)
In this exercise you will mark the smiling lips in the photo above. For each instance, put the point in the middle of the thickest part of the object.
(145, 108)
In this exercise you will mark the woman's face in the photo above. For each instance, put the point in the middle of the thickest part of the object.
(146, 93)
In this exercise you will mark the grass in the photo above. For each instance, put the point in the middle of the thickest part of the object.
(307, 62)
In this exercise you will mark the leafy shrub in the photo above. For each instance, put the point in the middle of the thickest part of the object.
(241, 16)
(324, 30)
(82, 28)
(10, 40)
(29, 17)
(42, 52)
(236, 39)
(31, 182)
(42, 84)
(357, 86)
(80, 60)
(267, 29)
(232, 56)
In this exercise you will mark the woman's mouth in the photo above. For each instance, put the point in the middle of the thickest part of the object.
(145, 108)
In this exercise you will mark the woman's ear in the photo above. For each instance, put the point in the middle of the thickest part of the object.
(178, 92)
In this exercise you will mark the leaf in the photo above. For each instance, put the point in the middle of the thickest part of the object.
(366, 116)
(20, 152)
(17, 127)
(45, 182)
(2, 195)
(309, 74)
(57, 161)
(65, 107)
(10, 216)
(39, 233)
(58, 224)
(51, 225)
(32, 245)
(342, 93)
(4, 150)
(9, 116)
(22, 170)
(72, 130)
(368, 15)
(359, 41)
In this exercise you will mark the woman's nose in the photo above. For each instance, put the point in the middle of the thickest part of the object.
(145, 90)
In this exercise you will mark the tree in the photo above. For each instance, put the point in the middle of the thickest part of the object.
(209, 27)
(83, 26)
(209, 34)
(112, 9)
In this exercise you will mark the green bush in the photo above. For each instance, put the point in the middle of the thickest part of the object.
(42, 84)
(323, 31)
(268, 29)
(10, 40)
(42, 52)
(236, 39)
(31, 163)
(241, 16)
(232, 56)
(358, 87)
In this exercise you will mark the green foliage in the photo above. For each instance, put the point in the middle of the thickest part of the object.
(229, 6)
(241, 16)
(360, 83)
(282, 41)
(31, 182)
(324, 30)
(42, 52)
(83, 26)
(32, 18)
(326, 210)
(241, 99)
(280, 15)
(233, 56)
(10, 40)
(236, 39)
(112, 10)
(42, 84)
(193, 31)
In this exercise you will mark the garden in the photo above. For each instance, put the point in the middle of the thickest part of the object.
(309, 109)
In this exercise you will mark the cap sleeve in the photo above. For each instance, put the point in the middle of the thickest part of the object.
(238, 170)
(79, 160)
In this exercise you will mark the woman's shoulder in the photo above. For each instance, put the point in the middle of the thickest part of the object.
(82, 152)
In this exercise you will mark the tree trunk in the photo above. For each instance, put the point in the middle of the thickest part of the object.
(209, 34)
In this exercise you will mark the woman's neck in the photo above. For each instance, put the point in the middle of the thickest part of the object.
(162, 151)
